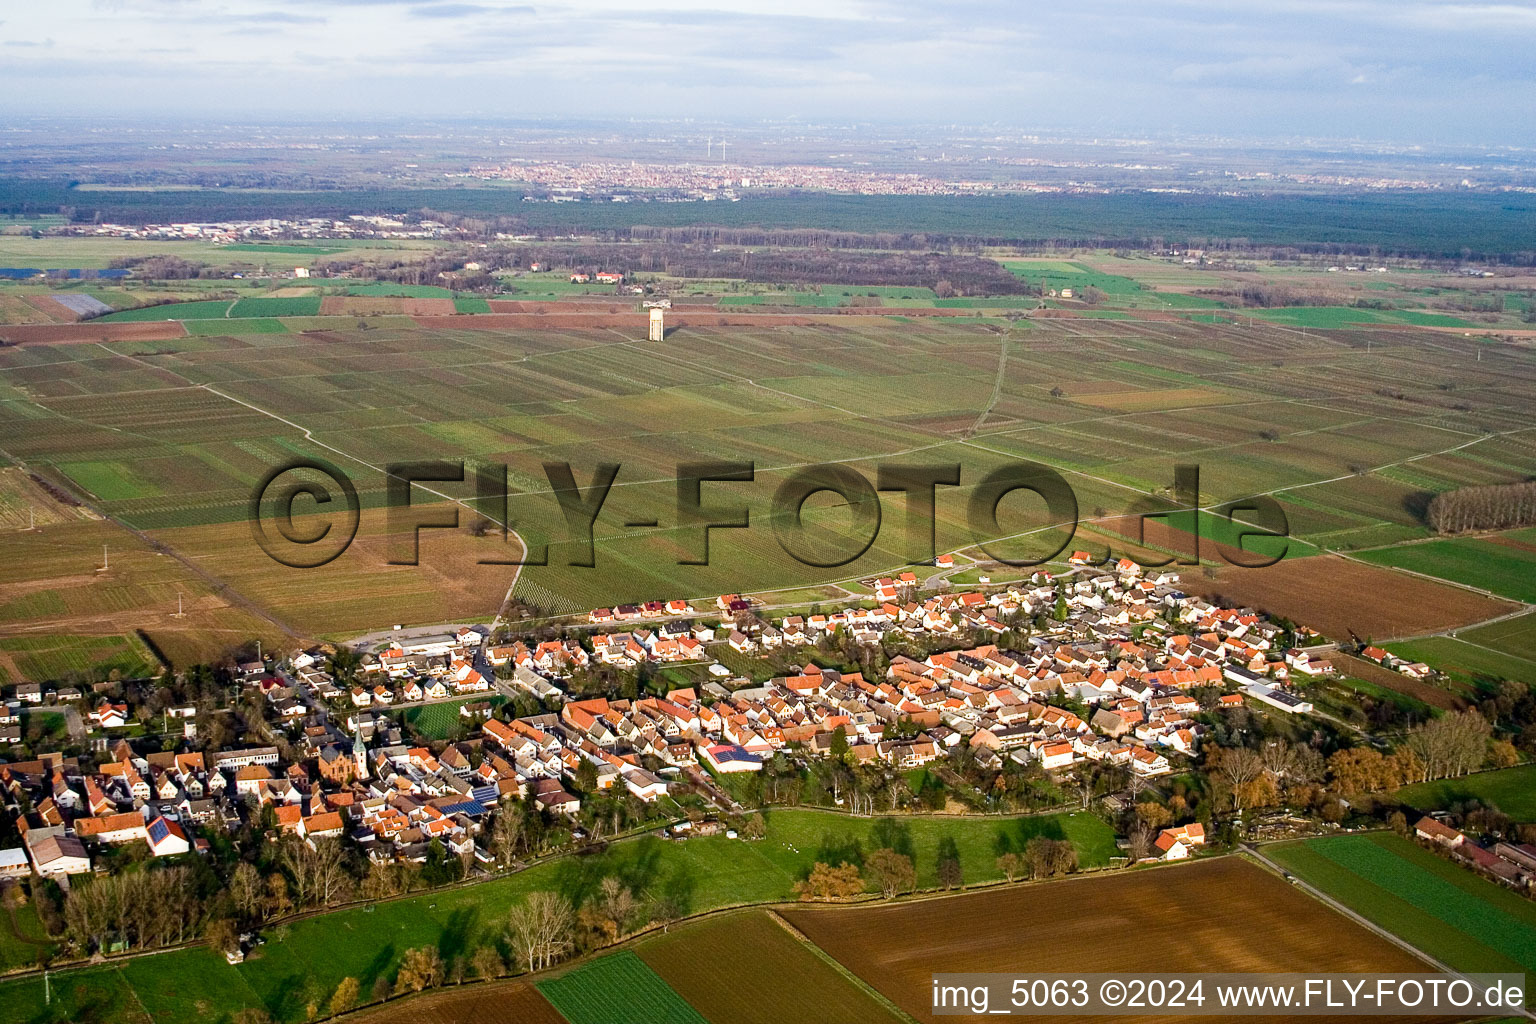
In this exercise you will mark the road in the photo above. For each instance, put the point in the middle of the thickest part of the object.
(1254, 851)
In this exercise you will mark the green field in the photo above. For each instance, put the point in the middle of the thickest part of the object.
(1464, 661)
(1111, 405)
(470, 304)
(617, 989)
(1450, 913)
(250, 325)
(1511, 790)
(207, 309)
(1515, 637)
(55, 657)
(275, 247)
(1333, 317)
(409, 291)
(1505, 570)
(297, 306)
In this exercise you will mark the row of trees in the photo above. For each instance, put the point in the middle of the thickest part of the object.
(137, 909)
(1489, 507)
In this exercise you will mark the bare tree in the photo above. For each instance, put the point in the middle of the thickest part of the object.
(541, 929)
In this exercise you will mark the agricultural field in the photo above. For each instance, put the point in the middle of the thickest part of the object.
(1505, 565)
(1511, 790)
(1466, 661)
(1339, 596)
(502, 1003)
(617, 989)
(1212, 915)
(762, 954)
(169, 434)
(207, 309)
(1331, 317)
(1514, 637)
(58, 614)
(1449, 912)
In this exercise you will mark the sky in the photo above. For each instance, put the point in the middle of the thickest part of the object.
(1437, 72)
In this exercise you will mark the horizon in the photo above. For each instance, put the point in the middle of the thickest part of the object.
(1417, 73)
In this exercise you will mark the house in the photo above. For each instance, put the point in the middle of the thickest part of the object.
(114, 828)
(110, 716)
(644, 785)
(1169, 846)
(1436, 832)
(166, 838)
(728, 757)
(944, 562)
(59, 855)
(13, 863)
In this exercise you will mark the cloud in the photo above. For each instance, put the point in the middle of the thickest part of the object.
(446, 10)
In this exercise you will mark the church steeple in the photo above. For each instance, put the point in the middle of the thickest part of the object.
(360, 754)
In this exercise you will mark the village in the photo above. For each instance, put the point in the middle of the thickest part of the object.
(1116, 666)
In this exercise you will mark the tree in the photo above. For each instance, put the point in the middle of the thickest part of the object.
(222, 935)
(1238, 767)
(1010, 865)
(828, 883)
(246, 891)
(1153, 814)
(950, 874)
(1451, 745)
(507, 831)
(1048, 858)
(890, 872)
(541, 929)
(345, 996)
(419, 969)
(1140, 842)
(319, 870)
(487, 963)
(277, 903)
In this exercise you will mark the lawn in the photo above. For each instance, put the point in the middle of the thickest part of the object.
(1445, 910)
(20, 950)
(1511, 790)
(762, 954)
(617, 989)
(1505, 570)
(438, 721)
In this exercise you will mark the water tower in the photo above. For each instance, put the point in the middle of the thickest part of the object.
(658, 330)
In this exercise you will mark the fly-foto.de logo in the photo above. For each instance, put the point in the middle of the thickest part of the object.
(307, 513)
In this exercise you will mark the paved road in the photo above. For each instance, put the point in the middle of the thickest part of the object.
(1364, 922)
